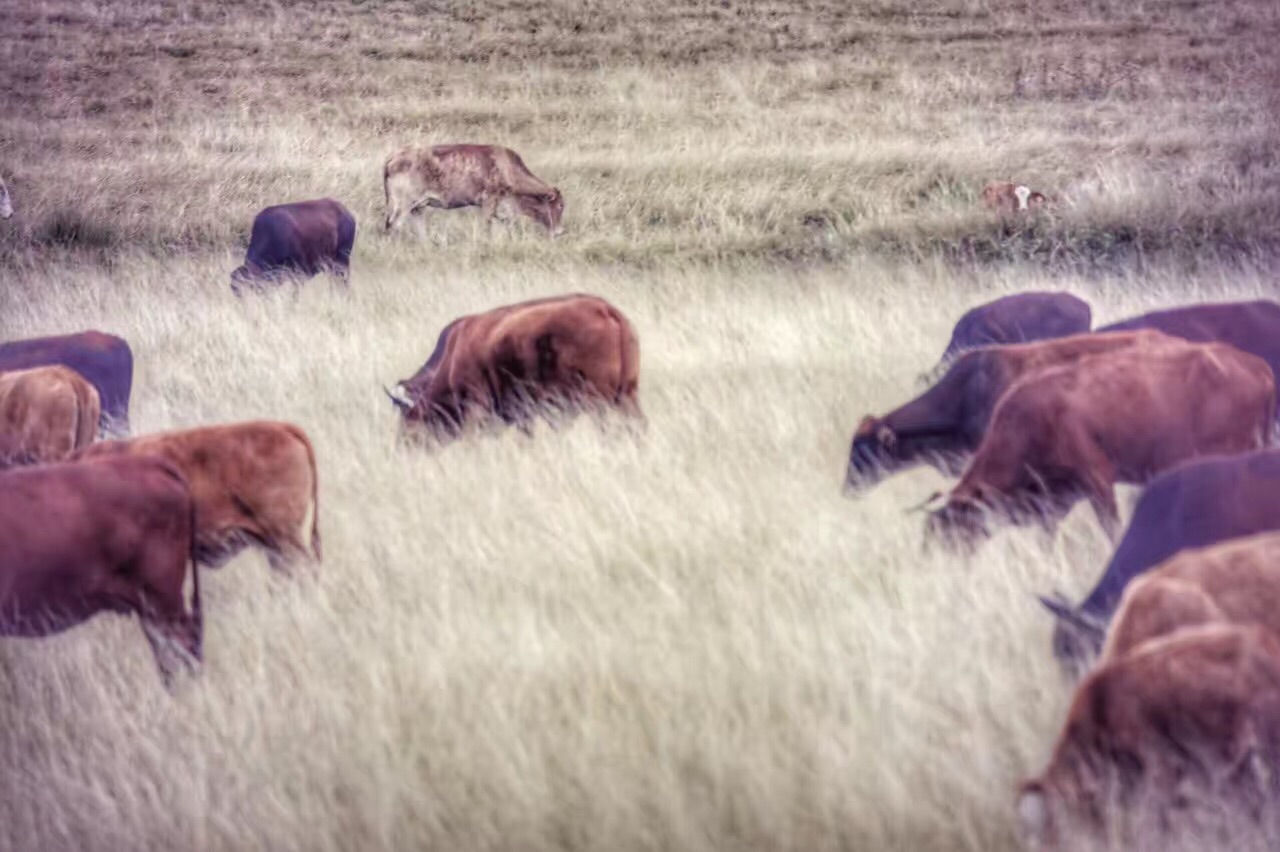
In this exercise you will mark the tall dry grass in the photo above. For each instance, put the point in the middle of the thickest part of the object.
(680, 639)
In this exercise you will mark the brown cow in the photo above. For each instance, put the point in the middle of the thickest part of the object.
(1235, 582)
(509, 361)
(114, 536)
(945, 424)
(46, 413)
(1075, 431)
(252, 482)
(1008, 197)
(1197, 711)
(447, 177)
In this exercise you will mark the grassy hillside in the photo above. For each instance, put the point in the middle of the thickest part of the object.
(596, 639)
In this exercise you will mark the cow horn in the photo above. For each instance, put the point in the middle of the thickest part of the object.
(1064, 611)
(397, 401)
(925, 504)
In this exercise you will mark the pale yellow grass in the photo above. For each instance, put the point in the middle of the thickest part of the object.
(593, 639)
(683, 639)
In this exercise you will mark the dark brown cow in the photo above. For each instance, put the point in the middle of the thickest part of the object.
(104, 359)
(446, 177)
(302, 238)
(1017, 318)
(512, 360)
(1196, 712)
(1009, 197)
(46, 413)
(252, 482)
(945, 424)
(110, 537)
(1200, 503)
(1074, 431)
(1235, 582)
(1252, 327)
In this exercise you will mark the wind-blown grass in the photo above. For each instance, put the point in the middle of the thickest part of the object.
(682, 638)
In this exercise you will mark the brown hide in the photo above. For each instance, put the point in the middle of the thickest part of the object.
(1184, 714)
(253, 481)
(511, 360)
(447, 177)
(946, 423)
(115, 536)
(1236, 582)
(1074, 431)
(46, 413)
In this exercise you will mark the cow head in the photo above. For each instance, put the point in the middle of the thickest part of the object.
(1021, 194)
(961, 523)
(1077, 636)
(417, 407)
(547, 208)
(870, 454)
(6, 204)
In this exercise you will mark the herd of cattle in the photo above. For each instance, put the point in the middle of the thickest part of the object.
(1033, 412)
(1030, 407)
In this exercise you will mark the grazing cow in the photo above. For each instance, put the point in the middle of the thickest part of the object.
(511, 360)
(945, 424)
(46, 413)
(1252, 327)
(104, 359)
(1233, 582)
(110, 537)
(1008, 197)
(1194, 715)
(1196, 504)
(301, 238)
(252, 482)
(1019, 318)
(1074, 431)
(447, 177)
(6, 201)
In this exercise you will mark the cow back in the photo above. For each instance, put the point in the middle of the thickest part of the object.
(104, 359)
(1199, 503)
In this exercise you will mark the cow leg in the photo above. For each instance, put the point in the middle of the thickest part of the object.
(176, 637)
(1102, 496)
(489, 207)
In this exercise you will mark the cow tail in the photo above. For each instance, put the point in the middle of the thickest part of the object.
(629, 347)
(1271, 435)
(88, 416)
(315, 492)
(197, 611)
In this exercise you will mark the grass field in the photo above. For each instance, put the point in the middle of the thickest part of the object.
(684, 638)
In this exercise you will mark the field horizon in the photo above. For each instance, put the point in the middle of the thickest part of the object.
(681, 637)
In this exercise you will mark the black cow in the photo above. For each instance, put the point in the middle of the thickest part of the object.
(1019, 318)
(104, 359)
(302, 238)
(1196, 504)
(1253, 327)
